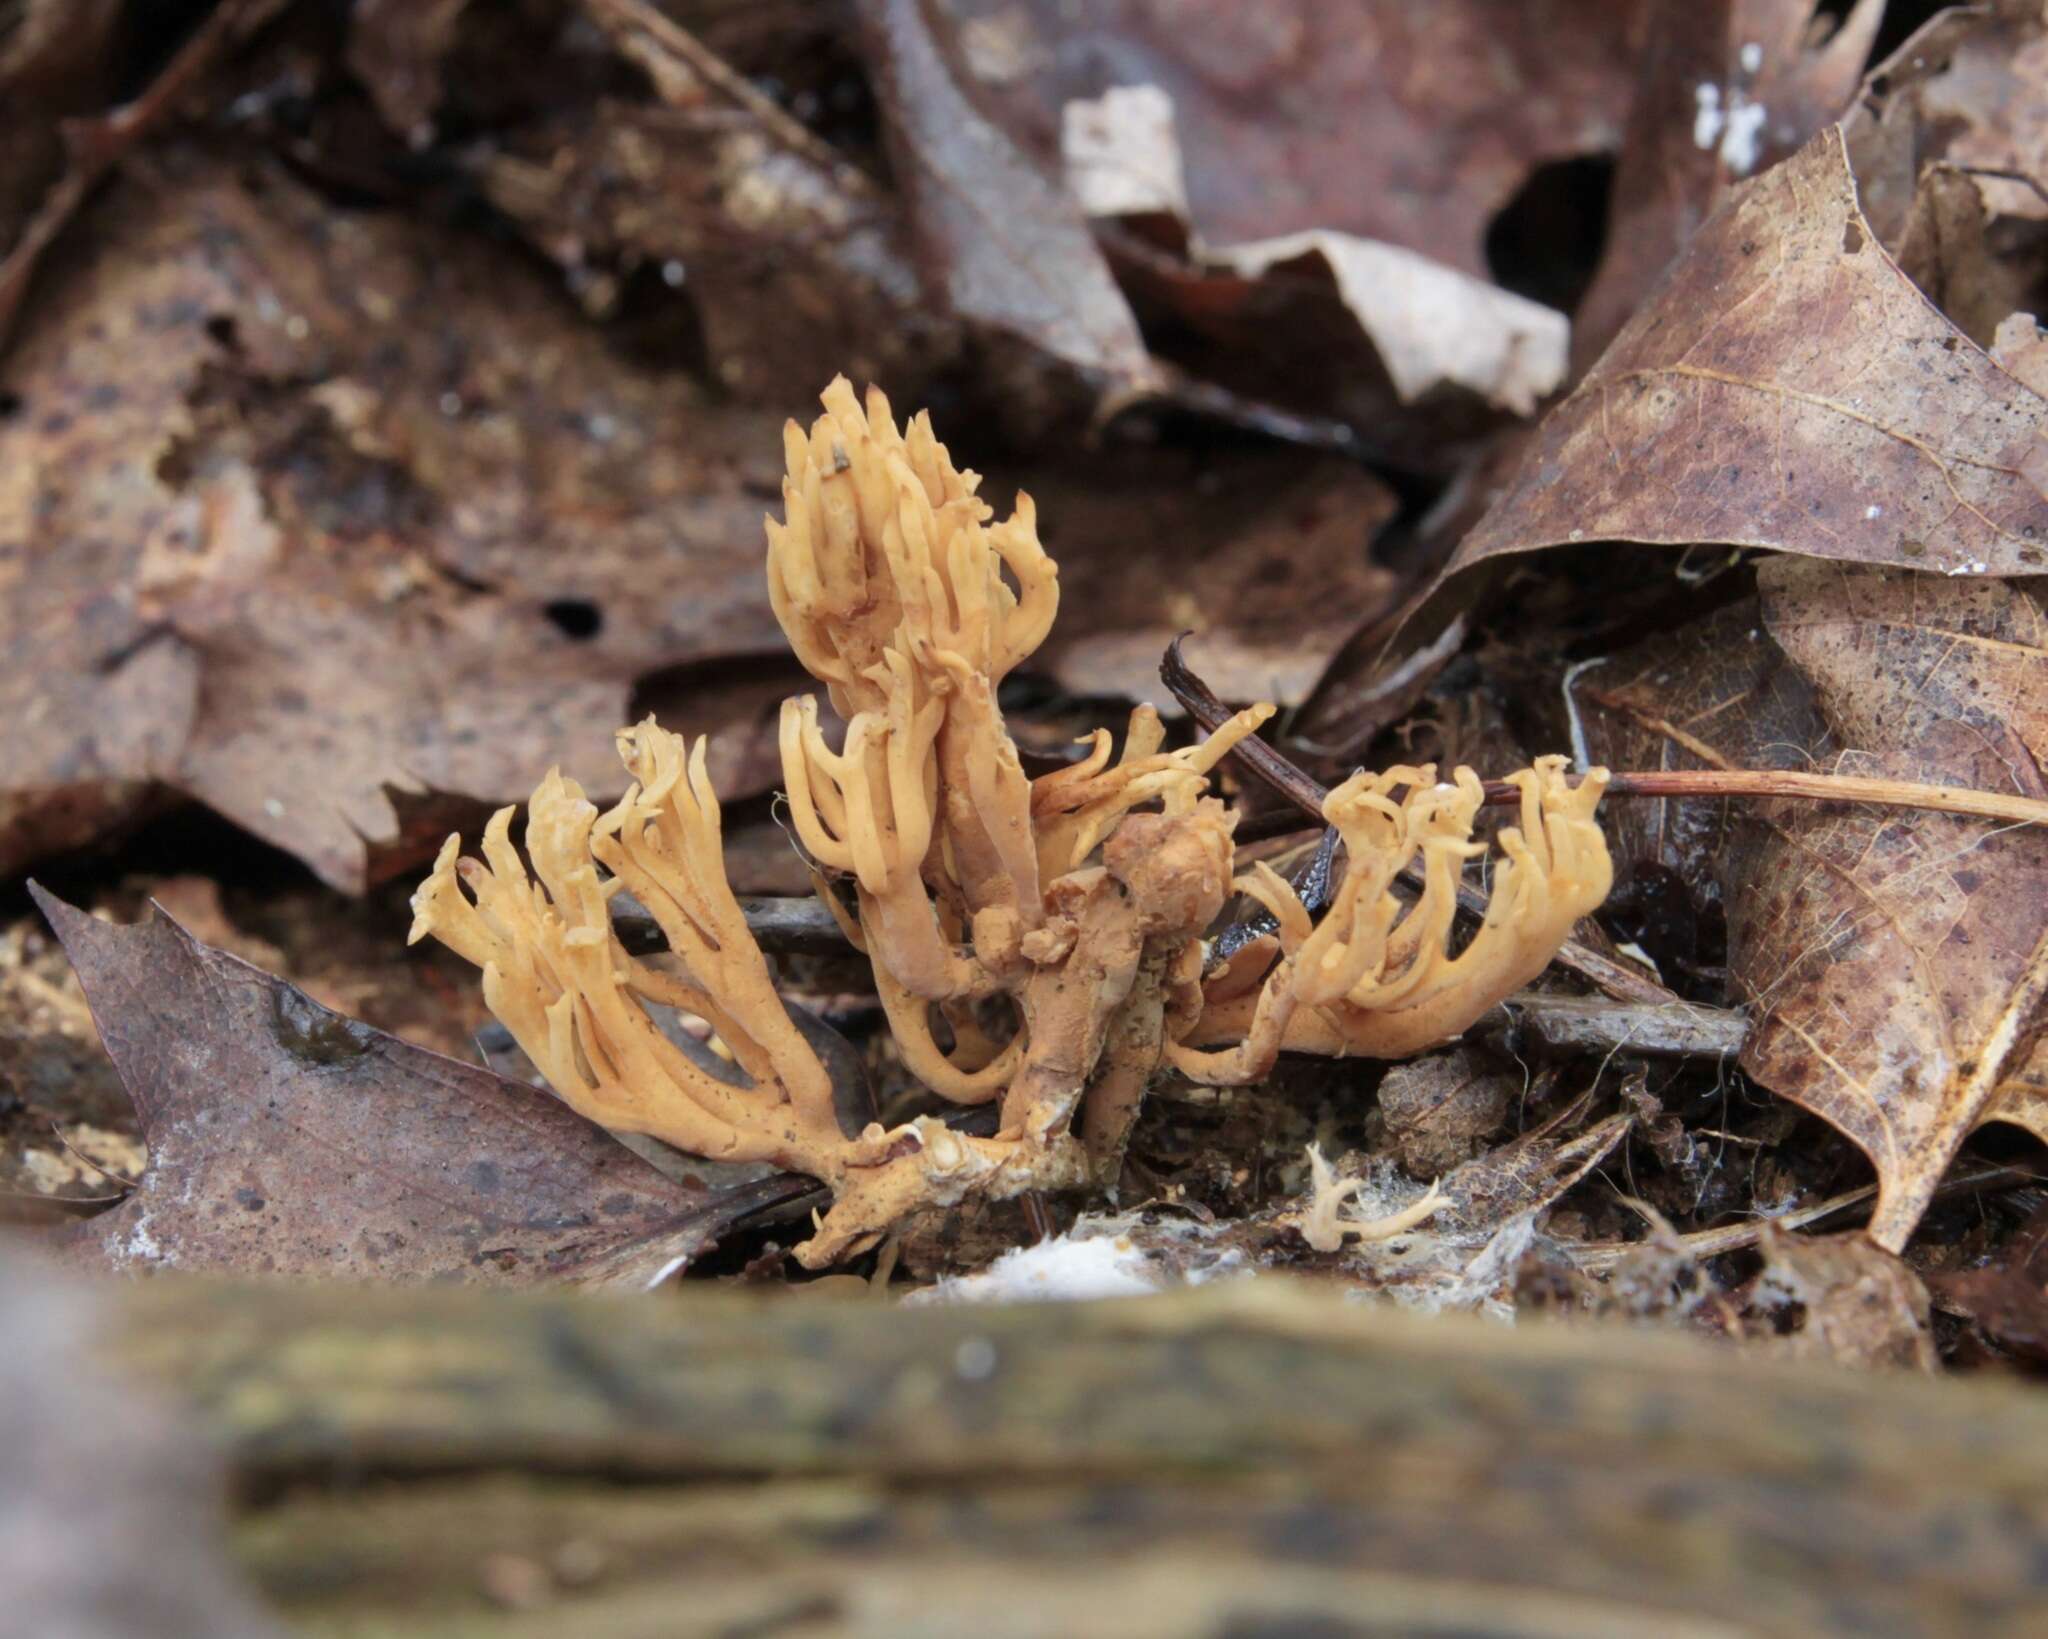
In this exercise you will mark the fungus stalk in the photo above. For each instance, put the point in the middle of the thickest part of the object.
(1079, 899)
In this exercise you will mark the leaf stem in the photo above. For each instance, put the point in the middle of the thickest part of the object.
(1768, 782)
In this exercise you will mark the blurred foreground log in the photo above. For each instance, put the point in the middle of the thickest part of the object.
(1247, 1460)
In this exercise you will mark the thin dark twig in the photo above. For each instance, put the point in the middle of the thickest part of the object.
(95, 146)
(1302, 789)
(1254, 756)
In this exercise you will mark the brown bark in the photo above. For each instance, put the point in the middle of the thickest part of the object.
(1260, 1458)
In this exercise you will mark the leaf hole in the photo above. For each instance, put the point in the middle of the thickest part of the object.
(577, 619)
(1545, 242)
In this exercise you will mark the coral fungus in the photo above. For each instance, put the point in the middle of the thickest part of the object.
(1081, 897)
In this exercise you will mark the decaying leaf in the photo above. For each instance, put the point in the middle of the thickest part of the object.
(1006, 243)
(1531, 1172)
(1789, 387)
(1892, 959)
(1433, 327)
(1717, 693)
(1444, 1108)
(1425, 327)
(1946, 146)
(1839, 1298)
(281, 546)
(53, 65)
(58, 53)
(1896, 961)
(1965, 90)
(1412, 125)
(1267, 559)
(1726, 88)
(793, 261)
(396, 48)
(2006, 1298)
(285, 1139)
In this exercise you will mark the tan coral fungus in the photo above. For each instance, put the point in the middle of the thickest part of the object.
(971, 882)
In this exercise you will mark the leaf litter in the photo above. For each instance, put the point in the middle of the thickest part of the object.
(1230, 297)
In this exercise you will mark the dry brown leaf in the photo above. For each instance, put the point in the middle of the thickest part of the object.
(1441, 1110)
(54, 64)
(1948, 249)
(1839, 1298)
(1005, 243)
(285, 1139)
(1726, 88)
(91, 147)
(1408, 124)
(1700, 64)
(1788, 387)
(396, 49)
(280, 545)
(1717, 693)
(1966, 89)
(1266, 560)
(2007, 1297)
(789, 275)
(1432, 327)
(793, 263)
(1429, 327)
(1528, 1173)
(1893, 959)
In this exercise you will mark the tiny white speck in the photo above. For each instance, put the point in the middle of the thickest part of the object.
(273, 807)
(974, 1360)
(1873, 512)
(297, 328)
(1707, 122)
(451, 404)
(1751, 57)
(1578, 535)
(673, 273)
(1742, 145)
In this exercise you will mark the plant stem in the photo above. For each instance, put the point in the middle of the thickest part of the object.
(1768, 782)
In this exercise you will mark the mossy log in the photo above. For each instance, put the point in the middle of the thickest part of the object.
(1259, 1459)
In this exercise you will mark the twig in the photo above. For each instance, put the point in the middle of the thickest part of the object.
(1307, 793)
(1254, 755)
(1595, 1256)
(668, 53)
(1765, 782)
(1200, 702)
(1596, 1024)
(780, 926)
(95, 146)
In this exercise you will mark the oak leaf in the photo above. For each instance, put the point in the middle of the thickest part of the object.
(1893, 959)
(1789, 387)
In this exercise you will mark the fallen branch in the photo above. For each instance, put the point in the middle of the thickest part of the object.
(1160, 1465)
